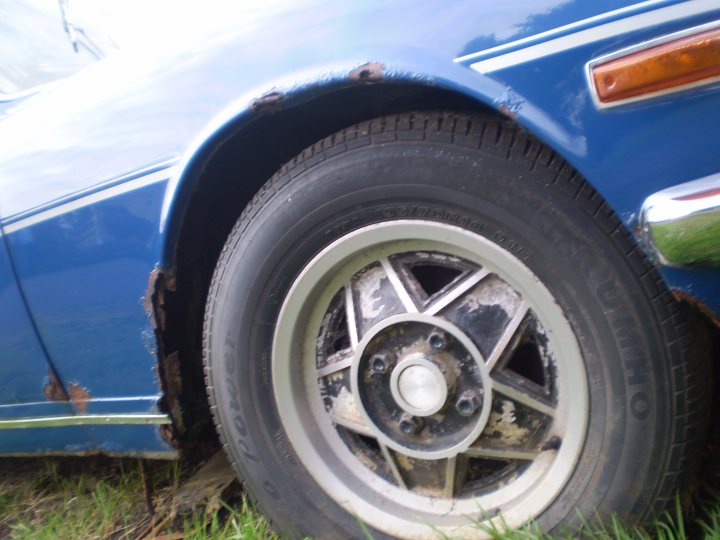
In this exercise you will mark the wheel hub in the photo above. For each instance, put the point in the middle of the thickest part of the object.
(409, 373)
(418, 385)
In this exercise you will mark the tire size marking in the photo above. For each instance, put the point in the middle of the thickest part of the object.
(384, 213)
(633, 356)
(417, 211)
(229, 356)
(501, 239)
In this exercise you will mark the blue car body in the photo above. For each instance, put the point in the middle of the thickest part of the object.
(99, 173)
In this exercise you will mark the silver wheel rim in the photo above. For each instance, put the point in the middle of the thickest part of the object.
(333, 406)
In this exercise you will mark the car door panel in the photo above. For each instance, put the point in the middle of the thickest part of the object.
(84, 268)
(27, 382)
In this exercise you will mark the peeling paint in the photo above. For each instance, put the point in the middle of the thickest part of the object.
(150, 293)
(508, 412)
(371, 72)
(344, 406)
(370, 286)
(505, 430)
(508, 112)
(267, 103)
(438, 257)
(75, 393)
(510, 104)
(158, 284)
(53, 389)
(79, 396)
(493, 291)
(404, 462)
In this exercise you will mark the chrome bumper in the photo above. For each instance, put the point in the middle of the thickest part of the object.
(681, 224)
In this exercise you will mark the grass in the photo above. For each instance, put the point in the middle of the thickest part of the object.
(235, 522)
(89, 498)
(669, 527)
(103, 498)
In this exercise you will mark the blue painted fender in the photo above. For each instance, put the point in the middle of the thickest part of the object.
(97, 172)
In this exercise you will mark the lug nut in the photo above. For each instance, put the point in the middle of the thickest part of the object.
(437, 340)
(378, 363)
(409, 425)
(468, 402)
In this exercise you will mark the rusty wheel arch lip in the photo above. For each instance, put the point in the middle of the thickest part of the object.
(698, 305)
(167, 363)
(391, 67)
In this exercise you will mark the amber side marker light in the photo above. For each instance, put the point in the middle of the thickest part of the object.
(672, 65)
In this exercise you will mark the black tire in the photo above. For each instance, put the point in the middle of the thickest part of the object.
(646, 382)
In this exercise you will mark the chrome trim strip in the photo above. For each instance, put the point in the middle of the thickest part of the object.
(155, 398)
(85, 420)
(597, 33)
(116, 187)
(681, 224)
(641, 47)
(124, 399)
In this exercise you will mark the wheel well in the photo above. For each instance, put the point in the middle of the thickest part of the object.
(230, 177)
(227, 181)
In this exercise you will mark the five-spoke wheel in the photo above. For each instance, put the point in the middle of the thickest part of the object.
(437, 369)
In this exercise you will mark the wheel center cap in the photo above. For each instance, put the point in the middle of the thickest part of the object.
(418, 386)
(409, 376)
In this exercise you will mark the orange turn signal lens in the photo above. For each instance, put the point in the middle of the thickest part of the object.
(672, 65)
